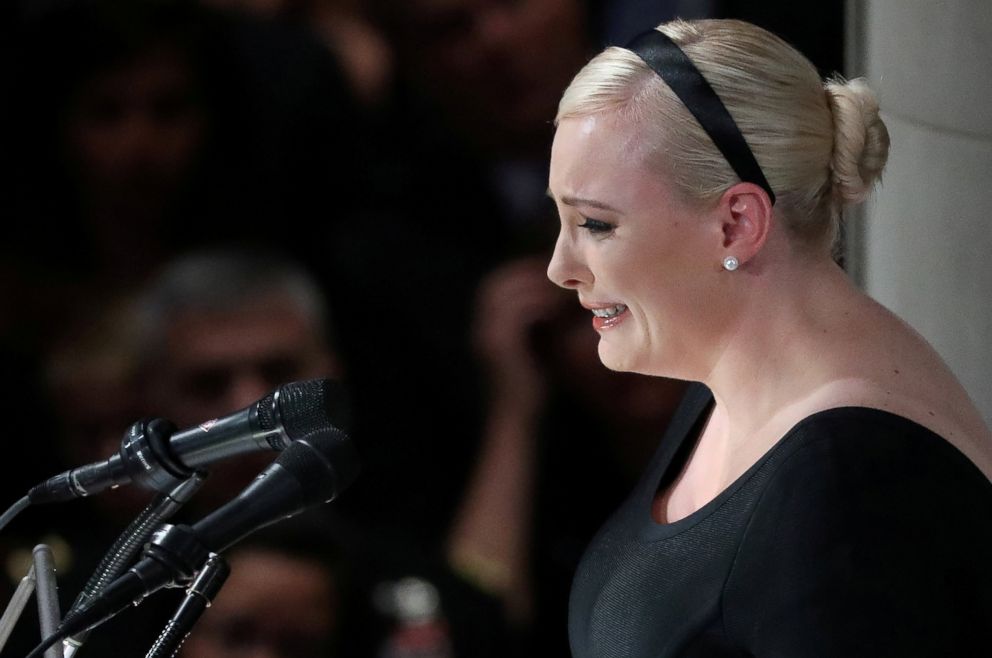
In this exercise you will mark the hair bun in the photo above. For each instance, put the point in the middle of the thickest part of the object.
(861, 140)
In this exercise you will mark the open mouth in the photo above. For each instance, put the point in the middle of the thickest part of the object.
(608, 316)
(609, 311)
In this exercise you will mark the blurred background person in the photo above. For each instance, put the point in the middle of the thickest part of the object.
(284, 598)
(106, 131)
(93, 385)
(115, 125)
(141, 129)
(211, 333)
(816, 28)
(435, 226)
(133, 131)
(344, 26)
(562, 441)
(490, 73)
(220, 330)
(91, 394)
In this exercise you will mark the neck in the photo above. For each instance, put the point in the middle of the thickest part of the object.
(771, 358)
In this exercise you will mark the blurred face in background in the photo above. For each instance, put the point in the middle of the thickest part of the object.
(219, 361)
(499, 64)
(272, 606)
(91, 377)
(214, 362)
(134, 132)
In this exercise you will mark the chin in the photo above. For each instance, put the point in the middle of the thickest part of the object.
(642, 362)
(616, 359)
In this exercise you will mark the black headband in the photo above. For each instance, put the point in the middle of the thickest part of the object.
(669, 61)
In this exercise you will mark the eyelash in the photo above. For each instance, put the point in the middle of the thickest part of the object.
(596, 226)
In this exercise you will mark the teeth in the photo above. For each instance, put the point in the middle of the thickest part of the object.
(609, 312)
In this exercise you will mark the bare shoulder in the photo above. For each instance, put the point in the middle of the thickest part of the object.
(893, 368)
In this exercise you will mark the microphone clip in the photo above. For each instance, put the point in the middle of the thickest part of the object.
(176, 556)
(147, 458)
(179, 550)
(144, 457)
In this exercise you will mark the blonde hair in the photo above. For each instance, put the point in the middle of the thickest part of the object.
(822, 146)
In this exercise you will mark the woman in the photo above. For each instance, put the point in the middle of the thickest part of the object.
(826, 493)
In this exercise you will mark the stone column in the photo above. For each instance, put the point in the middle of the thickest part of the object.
(925, 246)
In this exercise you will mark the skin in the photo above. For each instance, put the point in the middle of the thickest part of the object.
(783, 337)
(222, 360)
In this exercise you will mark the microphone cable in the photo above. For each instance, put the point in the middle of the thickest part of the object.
(13, 511)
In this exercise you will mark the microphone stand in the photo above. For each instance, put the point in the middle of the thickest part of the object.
(39, 579)
(16, 606)
(311, 471)
(199, 596)
(124, 551)
(173, 555)
(46, 589)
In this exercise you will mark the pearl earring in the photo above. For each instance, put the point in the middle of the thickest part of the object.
(730, 263)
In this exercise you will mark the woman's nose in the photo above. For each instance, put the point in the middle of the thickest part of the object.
(565, 268)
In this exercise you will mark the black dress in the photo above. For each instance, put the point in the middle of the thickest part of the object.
(861, 533)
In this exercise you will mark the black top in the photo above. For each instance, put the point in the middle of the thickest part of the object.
(861, 533)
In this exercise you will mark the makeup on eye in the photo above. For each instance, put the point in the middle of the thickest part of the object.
(596, 225)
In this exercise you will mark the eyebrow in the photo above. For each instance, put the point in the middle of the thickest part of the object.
(579, 201)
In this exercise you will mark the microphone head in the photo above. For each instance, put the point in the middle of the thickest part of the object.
(298, 409)
(304, 406)
(312, 470)
(323, 462)
(310, 405)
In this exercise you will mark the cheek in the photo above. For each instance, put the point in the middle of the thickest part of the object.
(655, 280)
(667, 298)
(673, 265)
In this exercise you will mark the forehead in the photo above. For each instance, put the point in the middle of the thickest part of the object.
(264, 326)
(599, 154)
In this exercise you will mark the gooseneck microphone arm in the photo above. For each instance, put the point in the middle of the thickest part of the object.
(125, 549)
(313, 470)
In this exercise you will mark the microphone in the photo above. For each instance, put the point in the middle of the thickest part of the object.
(156, 456)
(314, 469)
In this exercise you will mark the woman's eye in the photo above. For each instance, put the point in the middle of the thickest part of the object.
(596, 226)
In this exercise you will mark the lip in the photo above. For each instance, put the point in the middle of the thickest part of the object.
(605, 324)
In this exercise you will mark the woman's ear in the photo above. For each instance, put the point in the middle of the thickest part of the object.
(746, 219)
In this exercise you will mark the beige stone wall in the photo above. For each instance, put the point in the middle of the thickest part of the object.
(925, 248)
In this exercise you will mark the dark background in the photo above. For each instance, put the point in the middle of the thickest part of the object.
(394, 151)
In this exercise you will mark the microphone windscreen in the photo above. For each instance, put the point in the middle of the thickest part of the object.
(324, 463)
(305, 407)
